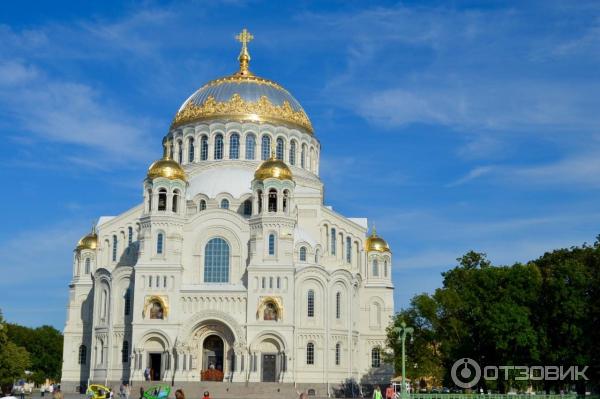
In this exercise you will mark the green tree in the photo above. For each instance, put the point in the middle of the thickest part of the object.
(45, 344)
(14, 360)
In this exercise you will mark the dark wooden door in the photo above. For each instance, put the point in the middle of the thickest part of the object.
(269, 368)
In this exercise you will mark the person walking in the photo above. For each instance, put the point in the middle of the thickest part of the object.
(377, 393)
(179, 394)
(127, 390)
(206, 395)
(141, 392)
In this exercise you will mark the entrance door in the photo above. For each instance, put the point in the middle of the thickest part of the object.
(155, 366)
(269, 368)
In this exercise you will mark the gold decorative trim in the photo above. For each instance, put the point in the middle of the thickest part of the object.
(240, 79)
(236, 107)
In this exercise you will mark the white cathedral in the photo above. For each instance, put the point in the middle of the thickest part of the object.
(232, 268)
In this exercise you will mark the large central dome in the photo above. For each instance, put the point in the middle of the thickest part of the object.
(243, 97)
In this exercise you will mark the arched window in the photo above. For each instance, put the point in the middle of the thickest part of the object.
(302, 254)
(310, 304)
(150, 200)
(280, 149)
(385, 269)
(127, 302)
(250, 144)
(278, 282)
(375, 268)
(234, 146)
(265, 147)
(348, 249)
(338, 353)
(293, 152)
(87, 265)
(202, 205)
(271, 244)
(125, 352)
(333, 241)
(338, 305)
(224, 203)
(114, 248)
(180, 151)
(218, 146)
(310, 353)
(272, 200)
(375, 358)
(162, 199)
(156, 310)
(303, 156)
(216, 261)
(175, 201)
(204, 148)
(264, 282)
(191, 149)
(159, 243)
(129, 236)
(248, 207)
(149, 281)
(82, 354)
(259, 200)
(285, 200)
(317, 256)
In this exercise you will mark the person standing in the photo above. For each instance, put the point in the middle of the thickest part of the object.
(377, 393)
(141, 392)
(179, 394)
(389, 392)
(127, 390)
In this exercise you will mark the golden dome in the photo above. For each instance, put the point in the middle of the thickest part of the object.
(243, 96)
(89, 241)
(273, 167)
(166, 167)
(376, 243)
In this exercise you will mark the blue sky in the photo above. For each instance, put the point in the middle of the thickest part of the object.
(451, 125)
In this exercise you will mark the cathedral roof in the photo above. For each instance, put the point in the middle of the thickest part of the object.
(376, 243)
(243, 96)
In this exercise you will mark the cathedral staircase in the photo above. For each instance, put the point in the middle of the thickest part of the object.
(239, 390)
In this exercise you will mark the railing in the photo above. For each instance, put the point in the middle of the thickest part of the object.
(491, 396)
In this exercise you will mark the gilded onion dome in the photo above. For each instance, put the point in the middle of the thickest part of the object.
(376, 243)
(166, 167)
(243, 97)
(90, 241)
(273, 167)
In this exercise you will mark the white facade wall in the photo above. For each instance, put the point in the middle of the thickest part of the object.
(194, 310)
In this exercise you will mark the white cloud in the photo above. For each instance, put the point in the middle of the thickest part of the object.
(473, 174)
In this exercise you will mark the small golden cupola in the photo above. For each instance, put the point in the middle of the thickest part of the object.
(166, 167)
(273, 167)
(90, 241)
(376, 243)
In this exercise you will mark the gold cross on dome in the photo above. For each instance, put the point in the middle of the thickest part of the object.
(244, 37)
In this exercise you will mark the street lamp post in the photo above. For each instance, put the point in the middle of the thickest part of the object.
(403, 331)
